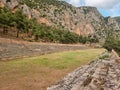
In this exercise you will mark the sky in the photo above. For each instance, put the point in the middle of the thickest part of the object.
(106, 7)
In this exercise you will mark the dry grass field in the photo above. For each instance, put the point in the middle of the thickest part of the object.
(37, 73)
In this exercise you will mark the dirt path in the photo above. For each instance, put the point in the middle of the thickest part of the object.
(11, 49)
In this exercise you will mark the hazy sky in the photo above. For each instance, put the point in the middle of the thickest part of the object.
(106, 7)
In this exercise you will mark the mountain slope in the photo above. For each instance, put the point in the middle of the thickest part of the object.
(82, 20)
(117, 19)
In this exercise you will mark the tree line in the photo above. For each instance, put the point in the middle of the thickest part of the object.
(41, 32)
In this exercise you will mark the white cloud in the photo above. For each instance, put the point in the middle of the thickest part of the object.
(106, 7)
(104, 4)
(75, 2)
(115, 11)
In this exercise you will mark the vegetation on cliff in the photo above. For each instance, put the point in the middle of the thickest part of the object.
(41, 32)
(42, 3)
(58, 13)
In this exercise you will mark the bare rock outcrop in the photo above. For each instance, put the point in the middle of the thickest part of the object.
(12, 4)
(101, 74)
(26, 10)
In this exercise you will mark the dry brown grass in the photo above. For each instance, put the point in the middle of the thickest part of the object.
(37, 80)
(38, 73)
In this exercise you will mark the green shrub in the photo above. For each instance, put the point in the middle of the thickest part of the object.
(104, 57)
(112, 43)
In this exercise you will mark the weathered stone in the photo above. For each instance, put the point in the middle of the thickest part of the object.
(26, 10)
(11, 3)
(98, 75)
(1, 4)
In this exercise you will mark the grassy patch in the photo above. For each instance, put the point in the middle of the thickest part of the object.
(37, 73)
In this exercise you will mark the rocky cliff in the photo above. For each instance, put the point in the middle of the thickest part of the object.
(117, 19)
(82, 20)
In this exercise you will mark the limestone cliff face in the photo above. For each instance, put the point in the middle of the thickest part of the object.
(82, 20)
(117, 19)
(1, 4)
(12, 4)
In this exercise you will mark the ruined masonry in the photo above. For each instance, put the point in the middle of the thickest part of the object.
(101, 74)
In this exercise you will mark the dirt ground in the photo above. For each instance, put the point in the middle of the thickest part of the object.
(27, 74)
(11, 49)
(35, 81)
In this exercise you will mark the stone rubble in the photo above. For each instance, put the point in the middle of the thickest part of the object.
(101, 74)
